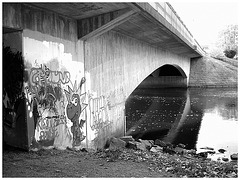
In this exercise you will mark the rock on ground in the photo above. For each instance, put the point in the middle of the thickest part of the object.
(116, 143)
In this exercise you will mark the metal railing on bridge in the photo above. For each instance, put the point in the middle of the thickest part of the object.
(167, 11)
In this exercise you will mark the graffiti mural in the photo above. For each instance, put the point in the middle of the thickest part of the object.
(74, 109)
(52, 103)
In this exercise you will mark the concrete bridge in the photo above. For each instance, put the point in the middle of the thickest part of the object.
(81, 62)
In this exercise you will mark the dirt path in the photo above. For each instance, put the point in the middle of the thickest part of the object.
(56, 163)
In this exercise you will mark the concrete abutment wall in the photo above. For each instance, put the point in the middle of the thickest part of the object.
(52, 95)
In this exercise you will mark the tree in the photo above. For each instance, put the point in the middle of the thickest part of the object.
(228, 41)
(13, 69)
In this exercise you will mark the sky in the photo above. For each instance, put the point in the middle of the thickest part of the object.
(205, 19)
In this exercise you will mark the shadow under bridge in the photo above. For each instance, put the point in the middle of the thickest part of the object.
(167, 76)
(159, 106)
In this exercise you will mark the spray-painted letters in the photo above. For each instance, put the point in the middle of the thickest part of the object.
(99, 108)
(37, 75)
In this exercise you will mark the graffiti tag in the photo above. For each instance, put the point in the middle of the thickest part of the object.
(43, 74)
(98, 112)
(47, 126)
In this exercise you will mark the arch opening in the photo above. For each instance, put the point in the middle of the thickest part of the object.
(166, 76)
(168, 81)
(169, 70)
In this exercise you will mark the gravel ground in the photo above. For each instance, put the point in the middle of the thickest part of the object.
(110, 163)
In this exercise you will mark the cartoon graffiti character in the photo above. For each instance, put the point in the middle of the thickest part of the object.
(74, 109)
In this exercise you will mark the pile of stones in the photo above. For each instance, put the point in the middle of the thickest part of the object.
(159, 146)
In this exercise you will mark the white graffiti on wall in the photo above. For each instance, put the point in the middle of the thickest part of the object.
(99, 116)
(47, 126)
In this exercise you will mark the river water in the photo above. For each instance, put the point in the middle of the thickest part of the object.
(196, 117)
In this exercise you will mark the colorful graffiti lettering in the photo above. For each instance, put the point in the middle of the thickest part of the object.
(74, 109)
(98, 112)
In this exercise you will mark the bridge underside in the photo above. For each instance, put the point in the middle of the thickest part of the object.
(137, 20)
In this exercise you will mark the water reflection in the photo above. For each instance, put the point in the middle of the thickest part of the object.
(195, 117)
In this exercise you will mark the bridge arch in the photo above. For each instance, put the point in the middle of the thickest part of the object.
(166, 76)
(169, 70)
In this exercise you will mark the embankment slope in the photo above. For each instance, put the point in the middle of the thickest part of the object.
(213, 72)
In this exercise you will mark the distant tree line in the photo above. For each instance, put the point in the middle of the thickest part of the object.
(228, 41)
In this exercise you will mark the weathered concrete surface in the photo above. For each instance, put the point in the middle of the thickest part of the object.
(21, 16)
(119, 61)
(13, 40)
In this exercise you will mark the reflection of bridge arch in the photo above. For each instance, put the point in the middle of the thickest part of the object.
(179, 122)
(163, 126)
(183, 127)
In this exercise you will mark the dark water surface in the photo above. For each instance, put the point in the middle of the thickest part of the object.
(197, 117)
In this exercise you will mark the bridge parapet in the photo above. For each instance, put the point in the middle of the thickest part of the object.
(168, 12)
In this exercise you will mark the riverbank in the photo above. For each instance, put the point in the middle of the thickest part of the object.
(213, 72)
(112, 162)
